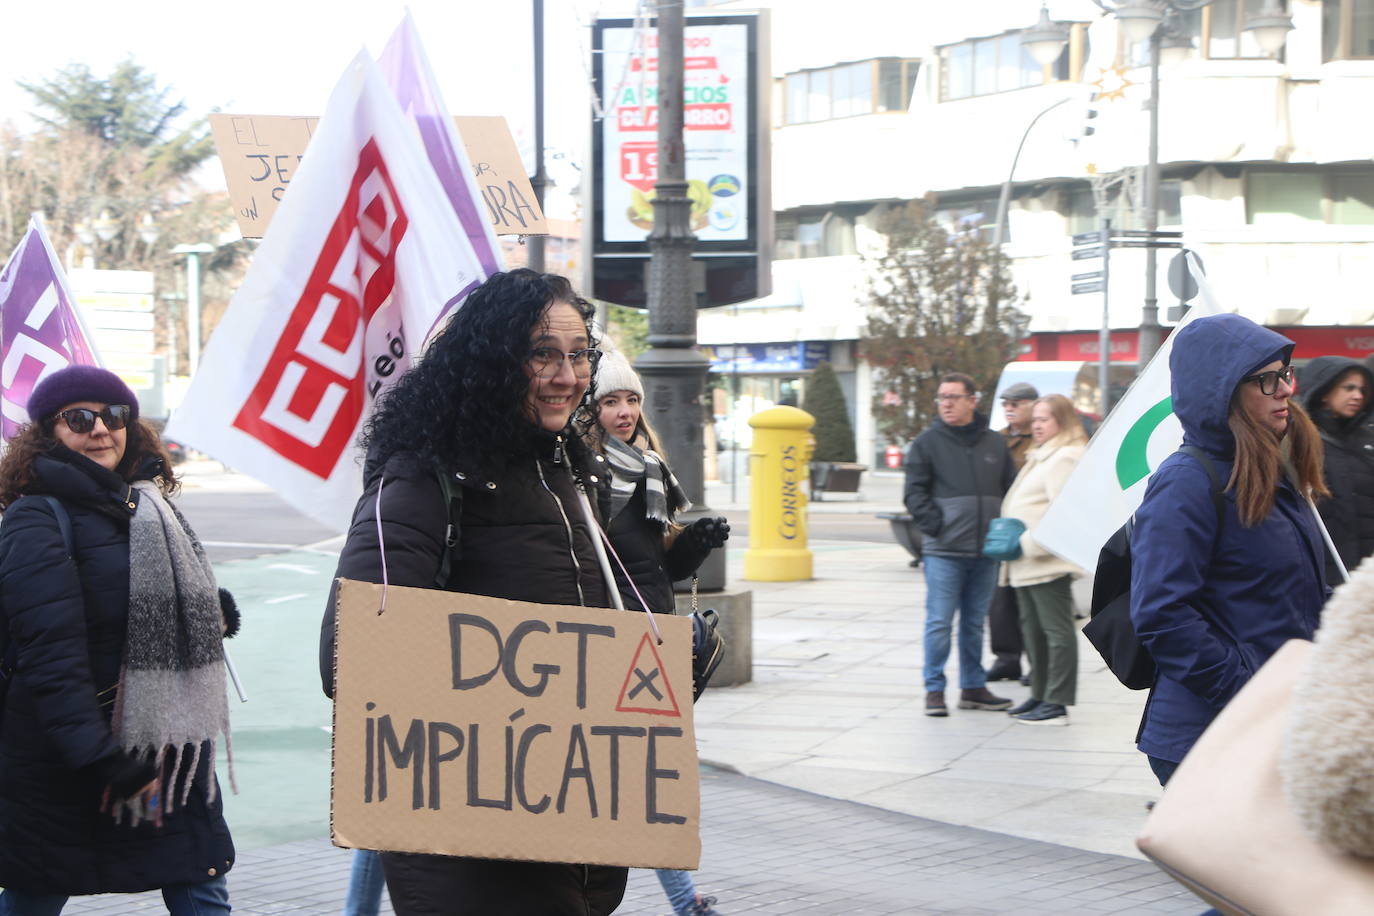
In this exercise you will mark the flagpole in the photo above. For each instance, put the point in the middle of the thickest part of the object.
(234, 676)
(535, 243)
(1330, 544)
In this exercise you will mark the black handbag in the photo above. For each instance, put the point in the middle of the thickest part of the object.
(708, 646)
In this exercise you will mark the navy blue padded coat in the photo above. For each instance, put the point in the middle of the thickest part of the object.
(1212, 605)
(68, 621)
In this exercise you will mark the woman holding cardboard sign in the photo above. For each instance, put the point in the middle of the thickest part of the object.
(490, 409)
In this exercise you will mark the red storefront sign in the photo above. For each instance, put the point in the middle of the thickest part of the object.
(1354, 342)
(1078, 345)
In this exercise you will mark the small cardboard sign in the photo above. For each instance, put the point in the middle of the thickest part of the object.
(501, 176)
(474, 726)
(260, 154)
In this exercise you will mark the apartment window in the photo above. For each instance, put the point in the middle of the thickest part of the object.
(896, 79)
(852, 90)
(1285, 197)
(846, 90)
(1347, 29)
(983, 66)
(978, 215)
(818, 95)
(1224, 35)
(815, 233)
(1080, 208)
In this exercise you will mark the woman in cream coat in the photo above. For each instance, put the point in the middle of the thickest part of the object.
(1040, 578)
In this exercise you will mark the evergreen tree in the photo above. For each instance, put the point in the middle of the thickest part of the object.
(120, 148)
(825, 401)
(940, 300)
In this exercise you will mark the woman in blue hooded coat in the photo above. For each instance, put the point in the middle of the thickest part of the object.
(1211, 602)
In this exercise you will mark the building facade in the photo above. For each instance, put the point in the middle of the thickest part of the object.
(1265, 168)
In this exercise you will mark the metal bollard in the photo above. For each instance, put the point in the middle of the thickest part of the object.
(778, 468)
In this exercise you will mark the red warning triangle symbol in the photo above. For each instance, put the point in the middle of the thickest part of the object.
(646, 687)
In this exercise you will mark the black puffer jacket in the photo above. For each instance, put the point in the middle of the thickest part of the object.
(956, 477)
(638, 540)
(1348, 465)
(516, 539)
(521, 535)
(68, 622)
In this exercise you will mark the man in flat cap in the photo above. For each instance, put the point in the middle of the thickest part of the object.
(1004, 619)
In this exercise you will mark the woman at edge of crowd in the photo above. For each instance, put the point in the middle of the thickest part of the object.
(491, 404)
(117, 694)
(1336, 393)
(1041, 579)
(1196, 587)
(640, 508)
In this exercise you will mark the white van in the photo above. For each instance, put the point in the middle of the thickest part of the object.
(1077, 380)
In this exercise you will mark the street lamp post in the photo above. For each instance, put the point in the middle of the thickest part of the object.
(674, 371)
(193, 253)
(1157, 21)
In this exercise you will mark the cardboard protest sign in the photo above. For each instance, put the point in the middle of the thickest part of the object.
(475, 726)
(501, 175)
(260, 154)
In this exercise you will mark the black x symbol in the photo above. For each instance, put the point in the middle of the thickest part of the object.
(646, 683)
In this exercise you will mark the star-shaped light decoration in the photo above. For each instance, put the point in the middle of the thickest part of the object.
(1111, 83)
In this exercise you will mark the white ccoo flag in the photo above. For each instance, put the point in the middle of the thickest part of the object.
(1109, 482)
(361, 259)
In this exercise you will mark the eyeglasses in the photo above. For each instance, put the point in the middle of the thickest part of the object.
(1269, 381)
(950, 398)
(546, 362)
(82, 419)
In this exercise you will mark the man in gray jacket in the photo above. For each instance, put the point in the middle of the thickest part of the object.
(957, 472)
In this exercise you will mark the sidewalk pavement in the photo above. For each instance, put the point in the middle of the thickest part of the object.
(773, 851)
(826, 789)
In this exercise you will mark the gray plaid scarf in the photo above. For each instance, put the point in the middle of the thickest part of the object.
(629, 465)
(172, 697)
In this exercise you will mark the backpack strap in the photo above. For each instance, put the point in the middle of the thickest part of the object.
(64, 524)
(64, 527)
(1218, 495)
(453, 500)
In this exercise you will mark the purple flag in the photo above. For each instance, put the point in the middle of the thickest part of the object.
(406, 68)
(40, 331)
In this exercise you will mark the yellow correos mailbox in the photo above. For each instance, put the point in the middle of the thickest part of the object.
(779, 464)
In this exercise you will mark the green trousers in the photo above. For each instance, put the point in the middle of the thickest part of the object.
(1051, 639)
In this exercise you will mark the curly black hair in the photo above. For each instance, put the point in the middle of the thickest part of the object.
(463, 405)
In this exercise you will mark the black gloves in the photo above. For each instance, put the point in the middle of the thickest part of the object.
(230, 611)
(124, 775)
(708, 533)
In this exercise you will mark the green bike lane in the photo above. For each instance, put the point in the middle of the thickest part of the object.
(280, 737)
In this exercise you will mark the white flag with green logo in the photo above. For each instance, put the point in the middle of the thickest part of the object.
(1109, 483)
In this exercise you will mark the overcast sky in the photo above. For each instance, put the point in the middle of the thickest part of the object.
(284, 56)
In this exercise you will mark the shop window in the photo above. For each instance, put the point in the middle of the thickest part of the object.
(1347, 29)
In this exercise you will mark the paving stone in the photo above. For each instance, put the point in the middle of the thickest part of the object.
(771, 850)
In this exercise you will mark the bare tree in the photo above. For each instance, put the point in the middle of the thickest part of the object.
(940, 300)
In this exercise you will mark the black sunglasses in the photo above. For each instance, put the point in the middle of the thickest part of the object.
(1269, 381)
(82, 419)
